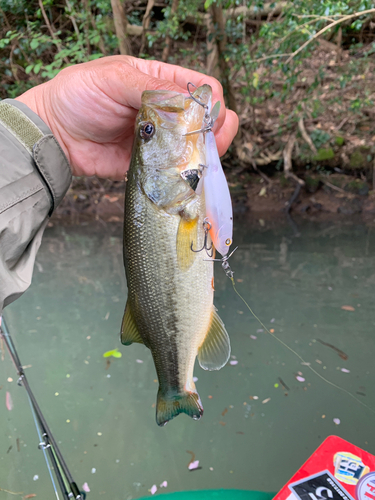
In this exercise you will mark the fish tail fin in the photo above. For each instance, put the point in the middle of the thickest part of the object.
(169, 407)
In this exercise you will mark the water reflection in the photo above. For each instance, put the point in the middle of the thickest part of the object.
(260, 422)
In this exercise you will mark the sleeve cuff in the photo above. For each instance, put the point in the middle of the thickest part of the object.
(37, 138)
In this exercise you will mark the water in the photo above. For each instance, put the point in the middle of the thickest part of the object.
(104, 416)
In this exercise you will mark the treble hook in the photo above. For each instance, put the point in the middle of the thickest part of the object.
(206, 226)
(194, 98)
(208, 120)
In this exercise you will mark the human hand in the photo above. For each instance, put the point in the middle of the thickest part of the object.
(91, 109)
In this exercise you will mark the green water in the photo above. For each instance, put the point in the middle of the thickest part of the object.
(104, 416)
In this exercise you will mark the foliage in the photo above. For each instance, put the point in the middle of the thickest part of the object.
(40, 37)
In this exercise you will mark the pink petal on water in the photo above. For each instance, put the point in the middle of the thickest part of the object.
(337, 421)
(194, 465)
(86, 488)
(164, 484)
(254, 337)
(8, 401)
(345, 370)
(299, 378)
(139, 361)
(233, 362)
(154, 489)
(195, 379)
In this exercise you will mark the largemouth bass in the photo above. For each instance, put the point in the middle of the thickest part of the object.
(170, 282)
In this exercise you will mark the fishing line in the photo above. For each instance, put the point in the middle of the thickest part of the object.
(294, 352)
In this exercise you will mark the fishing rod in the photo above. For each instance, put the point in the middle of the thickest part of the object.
(52, 454)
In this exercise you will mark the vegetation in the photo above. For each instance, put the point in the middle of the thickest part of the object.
(300, 74)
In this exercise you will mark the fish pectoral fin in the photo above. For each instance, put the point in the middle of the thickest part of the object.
(214, 353)
(129, 330)
(187, 236)
(169, 407)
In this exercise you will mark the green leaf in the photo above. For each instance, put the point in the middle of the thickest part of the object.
(115, 353)
(34, 43)
(4, 42)
(37, 68)
(29, 68)
(255, 80)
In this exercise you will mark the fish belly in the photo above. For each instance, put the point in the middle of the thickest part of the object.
(172, 308)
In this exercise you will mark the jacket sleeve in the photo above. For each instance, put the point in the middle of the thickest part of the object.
(34, 177)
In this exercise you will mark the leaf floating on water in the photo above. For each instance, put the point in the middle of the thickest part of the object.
(86, 488)
(114, 352)
(32, 495)
(347, 308)
(193, 465)
(8, 401)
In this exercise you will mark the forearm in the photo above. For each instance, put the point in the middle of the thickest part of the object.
(34, 176)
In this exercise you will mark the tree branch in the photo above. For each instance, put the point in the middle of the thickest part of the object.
(334, 23)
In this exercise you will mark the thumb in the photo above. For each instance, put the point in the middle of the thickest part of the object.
(128, 83)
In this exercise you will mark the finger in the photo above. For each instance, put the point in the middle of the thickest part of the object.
(227, 132)
(181, 76)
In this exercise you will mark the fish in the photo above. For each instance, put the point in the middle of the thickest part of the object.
(169, 276)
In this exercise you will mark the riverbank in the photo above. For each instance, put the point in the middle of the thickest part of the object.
(333, 197)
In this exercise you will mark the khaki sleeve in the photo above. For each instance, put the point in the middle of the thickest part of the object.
(34, 177)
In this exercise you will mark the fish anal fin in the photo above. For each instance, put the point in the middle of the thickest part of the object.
(129, 330)
(187, 236)
(214, 352)
(169, 407)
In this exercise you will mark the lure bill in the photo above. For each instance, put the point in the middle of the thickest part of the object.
(170, 287)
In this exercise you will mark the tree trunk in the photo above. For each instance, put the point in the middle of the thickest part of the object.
(168, 40)
(221, 42)
(212, 48)
(121, 23)
(146, 24)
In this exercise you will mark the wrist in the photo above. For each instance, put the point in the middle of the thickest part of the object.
(35, 99)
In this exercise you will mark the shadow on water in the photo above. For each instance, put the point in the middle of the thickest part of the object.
(264, 415)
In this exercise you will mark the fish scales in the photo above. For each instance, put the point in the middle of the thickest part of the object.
(169, 307)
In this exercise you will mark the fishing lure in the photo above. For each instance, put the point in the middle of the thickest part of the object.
(218, 202)
(219, 210)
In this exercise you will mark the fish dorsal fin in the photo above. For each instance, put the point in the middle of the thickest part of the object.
(214, 353)
(129, 330)
(186, 237)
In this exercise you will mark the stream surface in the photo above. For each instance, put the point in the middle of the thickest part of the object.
(264, 415)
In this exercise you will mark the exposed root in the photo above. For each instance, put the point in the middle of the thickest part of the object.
(306, 136)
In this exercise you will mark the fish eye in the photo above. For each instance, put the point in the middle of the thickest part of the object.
(228, 242)
(147, 130)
